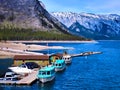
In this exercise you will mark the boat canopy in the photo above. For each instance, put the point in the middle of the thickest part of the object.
(47, 68)
(60, 61)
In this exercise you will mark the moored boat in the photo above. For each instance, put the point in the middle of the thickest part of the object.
(59, 65)
(67, 58)
(46, 74)
(11, 76)
(24, 68)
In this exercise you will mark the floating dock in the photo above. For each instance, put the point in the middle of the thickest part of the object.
(85, 54)
(27, 80)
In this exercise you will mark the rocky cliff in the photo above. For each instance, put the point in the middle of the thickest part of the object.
(28, 14)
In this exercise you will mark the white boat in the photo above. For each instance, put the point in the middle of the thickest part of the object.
(11, 76)
(24, 68)
(59, 65)
(46, 74)
(67, 58)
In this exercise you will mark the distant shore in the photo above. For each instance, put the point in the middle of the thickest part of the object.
(53, 41)
(11, 48)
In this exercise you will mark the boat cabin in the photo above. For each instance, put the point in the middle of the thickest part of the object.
(59, 63)
(55, 57)
(46, 74)
(67, 59)
(46, 71)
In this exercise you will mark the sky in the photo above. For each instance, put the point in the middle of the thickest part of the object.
(88, 6)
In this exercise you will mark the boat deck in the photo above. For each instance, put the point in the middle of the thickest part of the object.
(27, 80)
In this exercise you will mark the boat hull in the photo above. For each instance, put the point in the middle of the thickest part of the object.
(20, 70)
(67, 61)
(60, 69)
(48, 79)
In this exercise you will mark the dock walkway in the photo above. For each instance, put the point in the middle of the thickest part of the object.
(85, 54)
(28, 79)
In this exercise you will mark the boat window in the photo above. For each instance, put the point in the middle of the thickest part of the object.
(48, 72)
(8, 75)
(43, 73)
(59, 64)
(56, 64)
(23, 66)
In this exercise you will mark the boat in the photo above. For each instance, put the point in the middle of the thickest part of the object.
(59, 65)
(46, 74)
(67, 58)
(11, 76)
(24, 68)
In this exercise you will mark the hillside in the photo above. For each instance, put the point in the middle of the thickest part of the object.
(28, 14)
(31, 15)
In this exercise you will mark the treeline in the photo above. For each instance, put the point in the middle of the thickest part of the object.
(10, 32)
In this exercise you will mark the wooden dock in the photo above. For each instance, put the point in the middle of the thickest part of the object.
(27, 80)
(85, 54)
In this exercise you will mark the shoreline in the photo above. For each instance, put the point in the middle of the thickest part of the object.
(53, 41)
(11, 48)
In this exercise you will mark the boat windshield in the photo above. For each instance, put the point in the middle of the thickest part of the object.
(23, 66)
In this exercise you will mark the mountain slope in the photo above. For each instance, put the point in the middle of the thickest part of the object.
(28, 14)
(101, 26)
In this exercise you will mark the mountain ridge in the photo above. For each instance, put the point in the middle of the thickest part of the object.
(107, 26)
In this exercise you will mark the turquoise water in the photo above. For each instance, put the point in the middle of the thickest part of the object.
(95, 72)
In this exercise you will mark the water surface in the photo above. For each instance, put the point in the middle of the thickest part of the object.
(95, 72)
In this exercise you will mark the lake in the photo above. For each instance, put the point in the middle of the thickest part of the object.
(95, 72)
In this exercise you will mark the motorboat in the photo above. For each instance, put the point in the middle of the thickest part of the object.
(11, 76)
(24, 68)
(67, 58)
(46, 74)
(59, 65)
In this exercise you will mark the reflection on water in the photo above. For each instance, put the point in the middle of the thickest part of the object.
(45, 86)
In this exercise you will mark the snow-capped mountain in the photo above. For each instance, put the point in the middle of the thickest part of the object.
(91, 25)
